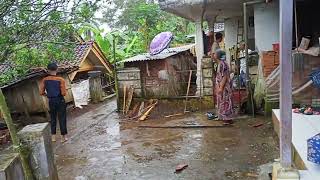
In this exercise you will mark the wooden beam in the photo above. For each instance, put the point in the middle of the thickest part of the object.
(72, 75)
(86, 69)
(101, 60)
(286, 24)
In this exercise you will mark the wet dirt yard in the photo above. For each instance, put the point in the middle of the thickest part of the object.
(104, 147)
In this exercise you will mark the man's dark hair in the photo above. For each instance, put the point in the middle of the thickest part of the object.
(52, 66)
(219, 35)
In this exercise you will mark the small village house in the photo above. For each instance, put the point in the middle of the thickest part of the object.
(165, 75)
(263, 36)
(22, 94)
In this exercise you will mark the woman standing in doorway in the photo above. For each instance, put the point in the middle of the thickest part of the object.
(223, 88)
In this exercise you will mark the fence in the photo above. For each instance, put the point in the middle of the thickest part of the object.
(170, 85)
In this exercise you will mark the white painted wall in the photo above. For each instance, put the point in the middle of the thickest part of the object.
(266, 22)
(230, 30)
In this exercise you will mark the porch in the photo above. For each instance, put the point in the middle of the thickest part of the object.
(303, 128)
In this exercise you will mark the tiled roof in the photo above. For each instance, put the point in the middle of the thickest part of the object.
(163, 55)
(81, 50)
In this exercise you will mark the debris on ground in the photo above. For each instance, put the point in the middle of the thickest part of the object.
(255, 175)
(150, 108)
(173, 115)
(140, 110)
(257, 125)
(183, 126)
(181, 167)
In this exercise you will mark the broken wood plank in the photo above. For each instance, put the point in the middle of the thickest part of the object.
(257, 125)
(129, 99)
(144, 116)
(134, 110)
(172, 115)
(189, 82)
(140, 109)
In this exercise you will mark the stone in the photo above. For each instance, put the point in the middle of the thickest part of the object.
(207, 91)
(128, 74)
(207, 73)
(207, 82)
(10, 167)
(37, 139)
(134, 83)
(207, 63)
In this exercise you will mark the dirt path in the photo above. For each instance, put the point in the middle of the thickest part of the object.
(101, 147)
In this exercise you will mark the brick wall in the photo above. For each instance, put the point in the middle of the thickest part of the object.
(270, 61)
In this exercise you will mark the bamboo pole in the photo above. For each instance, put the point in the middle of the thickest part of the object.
(115, 73)
(18, 147)
(189, 82)
(124, 98)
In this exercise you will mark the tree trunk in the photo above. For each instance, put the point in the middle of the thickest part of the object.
(14, 137)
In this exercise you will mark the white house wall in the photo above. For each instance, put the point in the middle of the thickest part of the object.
(266, 19)
(230, 29)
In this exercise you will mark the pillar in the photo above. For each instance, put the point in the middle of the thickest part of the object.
(200, 53)
(286, 170)
(37, 139)
(96, 92)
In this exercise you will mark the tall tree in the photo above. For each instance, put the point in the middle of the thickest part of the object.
(33, 32)
(146, 20)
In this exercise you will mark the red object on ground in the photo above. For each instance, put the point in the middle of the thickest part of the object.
(181, 167)
(257, 125)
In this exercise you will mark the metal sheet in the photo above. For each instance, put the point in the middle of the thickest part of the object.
(163, 55)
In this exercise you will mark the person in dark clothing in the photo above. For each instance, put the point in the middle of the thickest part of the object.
(54, 88)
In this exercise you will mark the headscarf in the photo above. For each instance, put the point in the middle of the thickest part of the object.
(220, 54)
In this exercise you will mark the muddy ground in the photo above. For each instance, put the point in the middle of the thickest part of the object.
(104, 147)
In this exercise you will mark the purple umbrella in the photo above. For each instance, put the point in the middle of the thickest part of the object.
(160, 42)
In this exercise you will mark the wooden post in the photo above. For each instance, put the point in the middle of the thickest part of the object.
(187, 95)
(286, 24)
(95, 86)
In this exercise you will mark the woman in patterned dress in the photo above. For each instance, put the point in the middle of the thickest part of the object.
(223, 88)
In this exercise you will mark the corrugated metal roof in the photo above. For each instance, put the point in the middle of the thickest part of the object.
(163, 55)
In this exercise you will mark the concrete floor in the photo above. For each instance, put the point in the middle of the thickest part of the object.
(104, 147)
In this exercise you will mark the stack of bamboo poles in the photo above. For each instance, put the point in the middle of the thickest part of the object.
(140, 111)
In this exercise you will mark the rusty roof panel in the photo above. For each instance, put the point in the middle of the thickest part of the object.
(163, 55)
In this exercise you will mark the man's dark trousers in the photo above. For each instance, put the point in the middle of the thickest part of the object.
(58, 109)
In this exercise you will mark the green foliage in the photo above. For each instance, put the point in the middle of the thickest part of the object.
(138, 22)
(32, 33)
